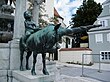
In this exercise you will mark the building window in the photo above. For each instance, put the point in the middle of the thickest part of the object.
(105, 55)
(108, 37)
(109, 8)
(102, 57)
(99, 38)
(104, 23)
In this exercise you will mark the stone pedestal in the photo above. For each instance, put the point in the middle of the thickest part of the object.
(51, 68)
(25, 76)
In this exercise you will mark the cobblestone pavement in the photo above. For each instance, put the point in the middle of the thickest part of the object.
(91, 73)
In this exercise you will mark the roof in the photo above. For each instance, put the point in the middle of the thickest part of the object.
(105, 10)
(75, 49)
(57, 14)
(107, 1)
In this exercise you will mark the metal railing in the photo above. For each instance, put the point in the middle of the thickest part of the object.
(99, 70)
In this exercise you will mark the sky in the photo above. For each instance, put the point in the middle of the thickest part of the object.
(66, 8)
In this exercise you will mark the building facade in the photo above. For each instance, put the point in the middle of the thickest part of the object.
(99, 38)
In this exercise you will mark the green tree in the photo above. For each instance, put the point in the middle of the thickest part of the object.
(87, 13)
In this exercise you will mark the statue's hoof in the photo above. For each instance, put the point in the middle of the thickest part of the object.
(45, 72)
(21, 69)
(27, 68)
(33, 73)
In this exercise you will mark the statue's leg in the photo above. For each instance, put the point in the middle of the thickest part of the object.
(34, 62)
(49, 56)
(44, 64)
(53, 56)
(27, 59)
(10, 2)
(21, 59)
(24, 41)
(6, 2)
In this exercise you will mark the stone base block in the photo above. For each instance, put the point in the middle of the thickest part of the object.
(5, 75)
(25, 76)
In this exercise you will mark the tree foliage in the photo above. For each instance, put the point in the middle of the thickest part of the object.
(87, 13)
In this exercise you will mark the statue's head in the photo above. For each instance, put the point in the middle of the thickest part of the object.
(27, 15)
(61, 30)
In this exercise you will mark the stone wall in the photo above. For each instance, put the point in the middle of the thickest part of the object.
(9, 61)
(4, 56)
(4, 62)
(74, 55)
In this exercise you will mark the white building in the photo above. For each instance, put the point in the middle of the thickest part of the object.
(99, 38)
(49, 7)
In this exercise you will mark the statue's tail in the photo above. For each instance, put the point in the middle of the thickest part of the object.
(20, 43)
(21, 46)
